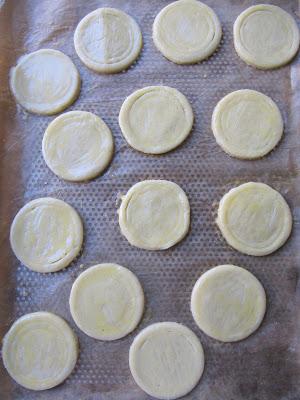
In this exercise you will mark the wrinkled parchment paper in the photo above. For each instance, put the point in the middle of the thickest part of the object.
(266, 366)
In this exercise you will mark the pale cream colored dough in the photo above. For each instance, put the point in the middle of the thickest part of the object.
(166, 360)
(228, 303)
(77, 145)
(46, 234)
(266, 36)
(247, 124)
(254, 219)
(186, 31)
(108, 40)
(107, 301)
(156, 119)
(40, 350)
(45, 81)
(154, 214)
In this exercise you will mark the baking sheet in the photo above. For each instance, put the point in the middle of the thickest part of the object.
(266, 366)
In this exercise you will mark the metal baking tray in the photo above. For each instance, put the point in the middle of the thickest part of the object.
(266, 366)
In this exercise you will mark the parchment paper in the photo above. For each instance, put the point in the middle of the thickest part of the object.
(266, 366)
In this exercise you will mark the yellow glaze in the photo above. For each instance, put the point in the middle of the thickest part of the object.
(77, 145)
(254, 219)
(46, 234)
(45, 82)
(40, 350)
(266, 36)
(247, 124)
(154, 215)
(107, 301)
(166, 360)
(156, 119)
(107, 40)
(186, 31)
(228, 303)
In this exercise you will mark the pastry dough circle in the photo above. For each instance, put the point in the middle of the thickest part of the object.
(166, 360)
(45, 81)
(107, 301)
(108, 40)
(266, 36)
(154, 214)
(77, 145)
(186, 31)
(228, 303)
(254, 219)
(46, 234)
(156, 119)
(40, 350)
(247, 124)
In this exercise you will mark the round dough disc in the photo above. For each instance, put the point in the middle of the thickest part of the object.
(166, 360)
(77, 146)
(46, 234)
(45, 81)
(107, 301)
(40, 350)
(186, 31)
(247, 124)
(254, 219)
(108, 40)
(266, 36)
(154, 215)
(228, 303)
(156, 119)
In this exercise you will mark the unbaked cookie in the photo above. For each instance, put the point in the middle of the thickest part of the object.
(40, 350)
(228, 303)
(45, 81)
(107, 301)
(247, 124)
(156, 119)
(108, 40)
(154, 214)
(166, 360)
(77, 145)
(266, 36)
(46, 234)
(186, 31)
(254, 219)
